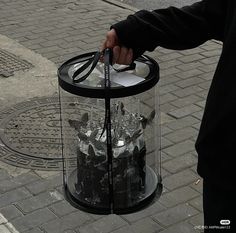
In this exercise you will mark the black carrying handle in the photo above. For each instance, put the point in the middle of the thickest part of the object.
(107, 57)
(94, 60)
(107, 125)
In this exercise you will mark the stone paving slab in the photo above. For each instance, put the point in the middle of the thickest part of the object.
(48, 32)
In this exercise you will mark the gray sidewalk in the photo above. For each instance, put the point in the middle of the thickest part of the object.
(37, 36)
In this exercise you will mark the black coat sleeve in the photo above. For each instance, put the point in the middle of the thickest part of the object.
(173, 28)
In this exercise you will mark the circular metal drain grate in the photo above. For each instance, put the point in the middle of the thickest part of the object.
(9, 63)
(30, 135)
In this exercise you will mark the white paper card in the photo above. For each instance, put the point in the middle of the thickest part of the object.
(125, 79)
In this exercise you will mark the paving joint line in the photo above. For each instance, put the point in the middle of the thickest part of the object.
(121, 5)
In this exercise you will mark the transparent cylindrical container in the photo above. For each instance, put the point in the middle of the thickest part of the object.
(110, 134)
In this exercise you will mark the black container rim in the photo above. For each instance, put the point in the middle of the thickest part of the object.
(68, 85)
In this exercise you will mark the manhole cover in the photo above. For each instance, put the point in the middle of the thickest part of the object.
(30, 134)
(9, 63)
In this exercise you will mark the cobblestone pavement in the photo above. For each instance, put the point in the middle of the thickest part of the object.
(31, 201)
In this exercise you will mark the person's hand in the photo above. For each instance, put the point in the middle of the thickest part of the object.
(121, 54)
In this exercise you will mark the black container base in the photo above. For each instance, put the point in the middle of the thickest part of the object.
(153, 190)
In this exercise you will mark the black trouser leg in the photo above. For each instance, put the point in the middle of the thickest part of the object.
(218, 204)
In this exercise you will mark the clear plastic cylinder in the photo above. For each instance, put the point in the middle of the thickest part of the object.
(119, 177)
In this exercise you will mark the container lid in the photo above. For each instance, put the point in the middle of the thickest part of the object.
(84, 75)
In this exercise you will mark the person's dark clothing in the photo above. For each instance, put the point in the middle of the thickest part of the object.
(187, 28)
(218, 205)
